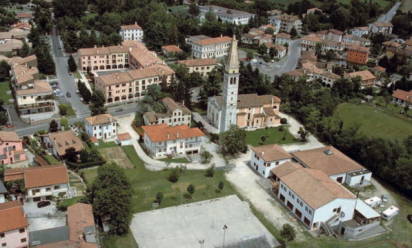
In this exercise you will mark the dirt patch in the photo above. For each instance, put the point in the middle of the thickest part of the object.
(117, 155)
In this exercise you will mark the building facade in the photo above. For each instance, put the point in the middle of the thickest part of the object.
(13, 226)
(204, 47)
(381, 27)
(233, 16)
(163, 140)
(58, 143)
(102, 127)
(360, 31)
(357, 55)
(35, 99)
(402, 98)
(131, 32)
(266, 157)
(11, 148)
(129, 86)
(201, 66)
(176, 114)
(286, 23)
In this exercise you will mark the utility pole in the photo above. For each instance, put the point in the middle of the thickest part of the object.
(224, 235)
(201, 242)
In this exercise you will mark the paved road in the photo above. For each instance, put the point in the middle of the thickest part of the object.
(66, 81)
(390, 14)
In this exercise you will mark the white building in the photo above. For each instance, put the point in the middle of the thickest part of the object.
(266, 157)
(102, 127)
(233, 16)
(176, 114)
(381, 27)
(360, 31)
(204, 47)
(335, 164)
(3, 191)
(131, 32)
(42, 182)
(285, 23)
(163, 140)
(36, 98)
(283, 39)
(318, 201)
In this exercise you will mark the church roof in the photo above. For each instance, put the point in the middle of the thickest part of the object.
(250, 100)
(232, 62)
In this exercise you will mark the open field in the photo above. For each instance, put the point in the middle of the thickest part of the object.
(273, 136)
(4, 88)
(117, 155)
(373, 122)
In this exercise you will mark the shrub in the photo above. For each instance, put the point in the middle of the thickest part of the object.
(159, 197)
(221, 185)
(210, 172)
(288, 232)
(191, 189)
(205, 157)
(173, 176)
(283, 121)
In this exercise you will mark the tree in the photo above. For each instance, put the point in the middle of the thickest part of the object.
(293, 32)
(205, 157)
(84, 91)
(233, 141)
(111, 198)
(97, 107)
(191, 189)
(262, 50)
(64, 123)
(303, 134)
(4, 70)
(44, 58)
(288, 232)
(210, 172)
(25, 50)
(71, 155)
(159, 197)
(71, 64)
(194, 9)
(53, 126)
(221, 185)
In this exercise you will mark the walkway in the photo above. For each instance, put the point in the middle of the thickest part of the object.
(198, 118)
(155, 165)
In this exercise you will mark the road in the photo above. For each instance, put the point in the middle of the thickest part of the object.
(66, 81)
(390, 14)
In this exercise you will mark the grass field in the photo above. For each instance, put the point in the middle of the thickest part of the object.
(175, 160)
(273, 136)
(373, 122)
(117, 155)
(4, 88)
(146, 184)
(51, 159)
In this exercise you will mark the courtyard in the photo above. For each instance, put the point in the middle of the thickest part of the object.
(221, 222)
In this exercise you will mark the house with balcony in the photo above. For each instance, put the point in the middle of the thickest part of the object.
(11, 148)
(13, 225)
(58, 143)
(163, 140)
(176, 114)
(42, 182)
(266, 157)
(102, 127)
(36, 98)
(402, 98)
(335, 164)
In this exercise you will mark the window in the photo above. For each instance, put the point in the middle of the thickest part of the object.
(1, 235)
(22, 230)
(57, 187)
(48, 189)
(4, 245)
(23, 240)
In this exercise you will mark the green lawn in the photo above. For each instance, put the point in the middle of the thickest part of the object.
(102, 145)
(175, 160)
(273, 136)
(4, 88)
(119, 241)
(374, 121)
(51, 159)
(77, 75)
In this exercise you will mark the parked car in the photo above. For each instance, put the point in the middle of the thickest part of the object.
(68, 94)
(42, 204)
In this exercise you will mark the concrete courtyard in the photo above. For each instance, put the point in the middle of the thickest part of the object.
(200, 224)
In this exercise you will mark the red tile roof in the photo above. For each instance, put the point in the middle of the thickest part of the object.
(163, 132)
(12, 216)
(124, 136)
(403, 95)
(171, 49)
(39, 176)
(79, 216)
(130, 27)
(216, 40)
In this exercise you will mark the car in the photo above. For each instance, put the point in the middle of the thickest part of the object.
(77, 92)
(68, 94)
(42, 204)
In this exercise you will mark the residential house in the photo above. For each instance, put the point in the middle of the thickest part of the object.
(171, 50)
(22, 25)
(13, 226)
(256, 37)
(204, 47)
(392, 46)
(313, 72)
(283, 39)
(367, 78)
(124, 139)
(131, 32)
(402, 98)
(58, 143)
(3, 192)
(309, 42)
(201, 66)
(381, 27)
(163, 140)
(320, 202)
(267, 27)
(335, 164)
(176, 114)
(286, 23)
(360, 31)
(253, 111)
(349, 39)
(281, 51)
(102, 127)
(11, 148)
(266, 157)
(357, 55)
(129, 86)
(14, 34)
(36, 98)
(233, 16)
(131, 54)
(331, 35)
(10, 46)
(24, 17)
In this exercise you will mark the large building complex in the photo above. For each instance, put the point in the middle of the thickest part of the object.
(233, 16)
(204, 47)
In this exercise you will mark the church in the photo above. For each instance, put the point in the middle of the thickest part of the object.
(248, 111)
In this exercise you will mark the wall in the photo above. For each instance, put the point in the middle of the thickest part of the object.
(259, 165)
(13, 239)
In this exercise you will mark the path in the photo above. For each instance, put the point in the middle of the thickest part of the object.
(387, 17)
(246, 183)
(125, 123)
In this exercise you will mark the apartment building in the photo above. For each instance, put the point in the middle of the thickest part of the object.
(11, 148)
(233, 16)
(163, 140)
(313, 72)
(201, 66)
(131, 85)
(204, 47)
(283, 39)
(36, 99)
(367, 78)
(171, 50)
(102, 127)
(357, 55)
(41, 182)
(131, 32)
(266, 157)
(360, 31)
(131, 54)
(286, 23)
(381, 27)
(176, 114)
(13, 225)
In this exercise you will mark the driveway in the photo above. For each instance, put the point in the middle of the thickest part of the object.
(125, 123)
(247, 184)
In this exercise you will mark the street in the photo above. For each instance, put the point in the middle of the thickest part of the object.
(390, 14)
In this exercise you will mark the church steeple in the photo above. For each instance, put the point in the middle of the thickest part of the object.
(232, 60)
